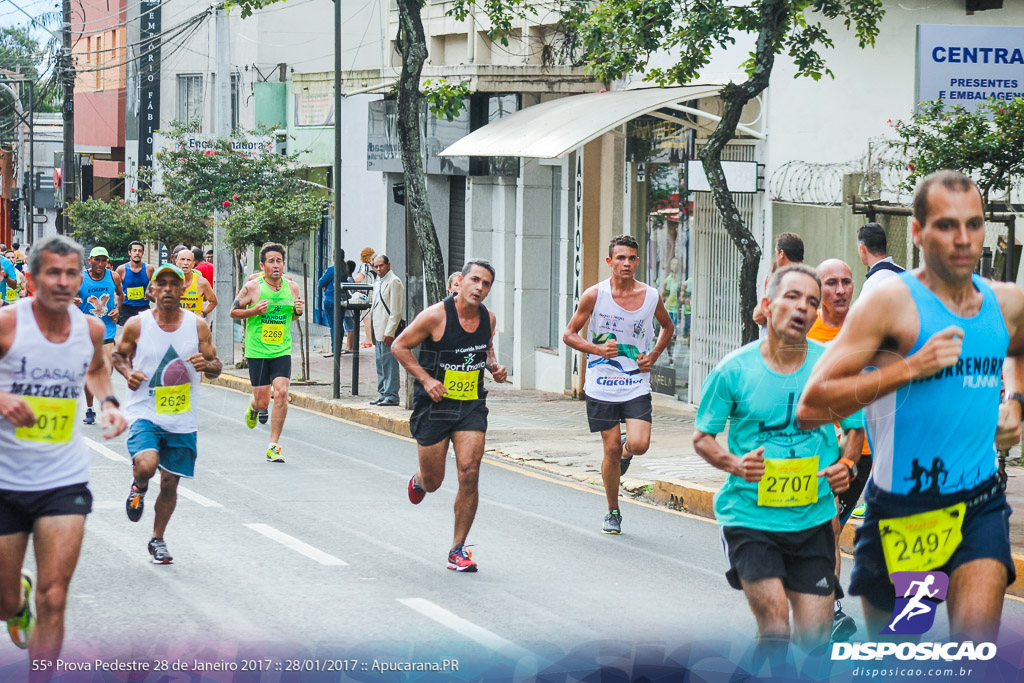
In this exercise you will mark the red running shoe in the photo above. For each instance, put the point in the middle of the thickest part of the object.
(416, 492)
(458, 560)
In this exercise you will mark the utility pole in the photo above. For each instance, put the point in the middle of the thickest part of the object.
(30, 233)
(339, 328)
(69, 182)
(224, 266)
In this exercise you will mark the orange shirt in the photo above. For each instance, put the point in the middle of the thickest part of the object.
(824, 334)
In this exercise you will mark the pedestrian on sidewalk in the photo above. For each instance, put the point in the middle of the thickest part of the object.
(386, 323)
(365, 274)
(621, 350)
(327, 288)
(456, 340)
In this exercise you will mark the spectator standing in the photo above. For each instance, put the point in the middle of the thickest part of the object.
(385, 320)
(367, 275)
(873, 247)
(327, 287)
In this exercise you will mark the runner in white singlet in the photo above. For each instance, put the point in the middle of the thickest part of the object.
(161, 354)
(49, 350)
(621, 350)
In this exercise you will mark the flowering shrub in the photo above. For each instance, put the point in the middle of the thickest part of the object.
(986, 144)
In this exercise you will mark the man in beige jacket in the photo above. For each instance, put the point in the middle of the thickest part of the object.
(385, 316)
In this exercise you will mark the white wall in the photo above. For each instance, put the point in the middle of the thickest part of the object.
(363, 192)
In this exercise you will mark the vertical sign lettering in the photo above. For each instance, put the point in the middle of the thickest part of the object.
(149, 79)
(577, 264)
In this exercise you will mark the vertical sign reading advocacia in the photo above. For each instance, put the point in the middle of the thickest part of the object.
(149, 78)
(577, 268)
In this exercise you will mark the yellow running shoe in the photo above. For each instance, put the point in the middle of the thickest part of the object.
(274, 454)
(19, 627)
(250, 417)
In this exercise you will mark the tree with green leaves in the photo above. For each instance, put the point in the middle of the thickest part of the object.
(986, 144)
(443, 98)
(618, 38)
(23, 55)
(264, 200)
(107, 224)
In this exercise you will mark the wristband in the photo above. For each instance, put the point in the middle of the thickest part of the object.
(111, 399)
(850, 465)
(1019, 398)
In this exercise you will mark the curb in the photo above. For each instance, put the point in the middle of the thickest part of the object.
(369, 418)
(693, 498)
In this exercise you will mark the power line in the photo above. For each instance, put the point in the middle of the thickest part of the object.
(170, 34)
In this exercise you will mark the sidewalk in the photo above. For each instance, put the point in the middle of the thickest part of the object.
(549, 432)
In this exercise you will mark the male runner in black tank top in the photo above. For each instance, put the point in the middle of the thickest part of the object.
(457, 338)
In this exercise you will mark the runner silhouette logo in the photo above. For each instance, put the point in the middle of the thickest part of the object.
(918, 595)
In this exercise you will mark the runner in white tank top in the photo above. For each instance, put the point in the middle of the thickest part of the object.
(621, 350)
(49, 351)
(162, 353)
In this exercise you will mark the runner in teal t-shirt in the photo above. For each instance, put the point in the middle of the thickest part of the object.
(777, 505)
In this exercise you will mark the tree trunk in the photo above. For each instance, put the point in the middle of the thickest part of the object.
(413, 44)
(735, 96)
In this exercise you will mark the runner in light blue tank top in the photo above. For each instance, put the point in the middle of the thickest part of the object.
(926, 354)
(912, 456)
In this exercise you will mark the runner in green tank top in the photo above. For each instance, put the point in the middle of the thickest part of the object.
(269, 303)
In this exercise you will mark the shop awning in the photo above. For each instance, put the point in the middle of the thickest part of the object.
(551, 129)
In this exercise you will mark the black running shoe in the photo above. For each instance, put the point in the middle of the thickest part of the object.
(158, 549)
(135, 504)
(843, 626)
(90, 417)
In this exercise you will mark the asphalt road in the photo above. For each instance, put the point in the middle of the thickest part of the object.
(322, 562)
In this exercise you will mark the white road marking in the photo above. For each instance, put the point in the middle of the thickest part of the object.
(491, 641)
(297, 545)
(104, 451)
(197, 498)
(184, 492)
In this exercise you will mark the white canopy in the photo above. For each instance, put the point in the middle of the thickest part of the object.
(551, 129)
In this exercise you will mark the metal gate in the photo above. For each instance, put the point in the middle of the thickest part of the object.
(456, 223)
(715, 323)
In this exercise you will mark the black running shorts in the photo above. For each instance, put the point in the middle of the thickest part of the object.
(19, 510)
(432, 422)
(126, 313)
(604, 415)
(804, 560)
(263, 371)
(986, 535)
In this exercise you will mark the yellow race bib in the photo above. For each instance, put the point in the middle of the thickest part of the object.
(272, 333)
(55, 420)
(461, 385)
(173, 400)
(11, 294)
(788, 482)
(136, 293)
(923, 541)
